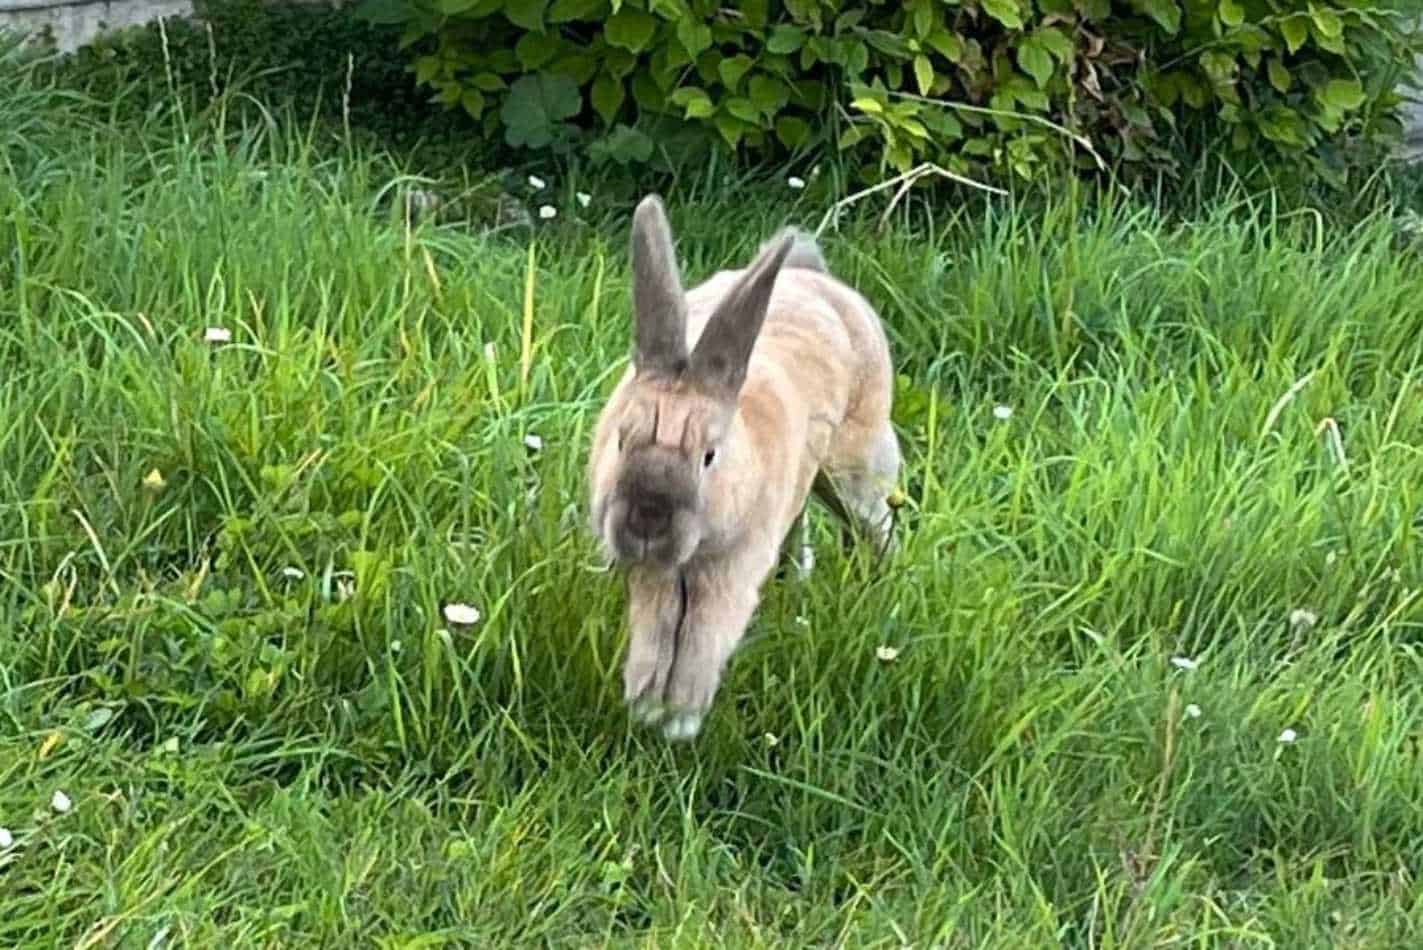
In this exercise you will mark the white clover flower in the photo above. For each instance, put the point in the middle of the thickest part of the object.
(1303, 619)
(534, 442)
(584, 199)
(795, 183)
(396, 646)
(886, 654)
(462, 614)
(293, 573)
(153, 481)
(217, 335)
(1002, 413)
(60, 802)
(1184, 663)
(537, 183)
(1288, 736)
(7, 840)
(1193, 711)
(771, 740)
(548, 212)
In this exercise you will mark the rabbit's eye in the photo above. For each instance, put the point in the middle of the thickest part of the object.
(709, 458)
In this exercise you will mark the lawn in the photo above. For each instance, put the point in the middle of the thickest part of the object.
(1145, 671)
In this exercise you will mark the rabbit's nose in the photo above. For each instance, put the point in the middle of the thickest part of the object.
(649, 517)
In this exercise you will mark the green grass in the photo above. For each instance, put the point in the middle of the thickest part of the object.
(259, 760)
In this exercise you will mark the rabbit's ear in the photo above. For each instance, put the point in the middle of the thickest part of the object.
(720, 358)
(659, 306)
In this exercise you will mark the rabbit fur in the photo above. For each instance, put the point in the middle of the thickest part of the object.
(745, 394)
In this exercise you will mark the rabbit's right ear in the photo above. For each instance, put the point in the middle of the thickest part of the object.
(659, 306)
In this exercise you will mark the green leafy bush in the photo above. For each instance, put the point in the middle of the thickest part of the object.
(312, 58)
(975, 85)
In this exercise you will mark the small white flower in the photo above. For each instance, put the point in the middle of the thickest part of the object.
(771, 740)
(396, 646)
(1303, 619)
(217, 335)
(462, 614)
(537, 183)
(1288, 736)
(1193, 711)
(803, 621)
(1184, 663)
(1002, 413)
(60, 802)
(584, 199)
(533, 442)
(1330, 558)
(886, 654)
(548, 212)
(796, 184)
(489, 351)
(293, 573)
(7, 840)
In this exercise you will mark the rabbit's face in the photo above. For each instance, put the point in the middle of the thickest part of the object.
(667, 444)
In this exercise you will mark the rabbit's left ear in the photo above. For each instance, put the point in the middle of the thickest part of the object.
(720, 358)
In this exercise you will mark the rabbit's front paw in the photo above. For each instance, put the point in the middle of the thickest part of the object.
(643, 692)
(690, 691)
(683, 726)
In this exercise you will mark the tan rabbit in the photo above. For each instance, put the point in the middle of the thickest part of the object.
(744, 394)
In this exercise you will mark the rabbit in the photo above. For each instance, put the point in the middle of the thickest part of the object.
(744, 395)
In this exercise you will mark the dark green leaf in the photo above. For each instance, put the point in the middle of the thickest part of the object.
(948, 45)
(567, 11)
(695, 37)
(1231, 13)
(624, 145)
(1055, 42)
(1006, 12)
(731, 128)
(733, 68)
(536, 49)
(1279, 75)
(457, 7)
(384, 12)
(1166, 13)
(1295, 30)
(536, 107)
(1327, 22)
(630, 29)
(1341, 94)
(785, 39)
(647, 94)
(1035, 60)
(607, 97)
(768, 94)
(923, 74)
(792, 132)
(743, 109)
(528, 14)
(696, 102)
(1282, 125)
